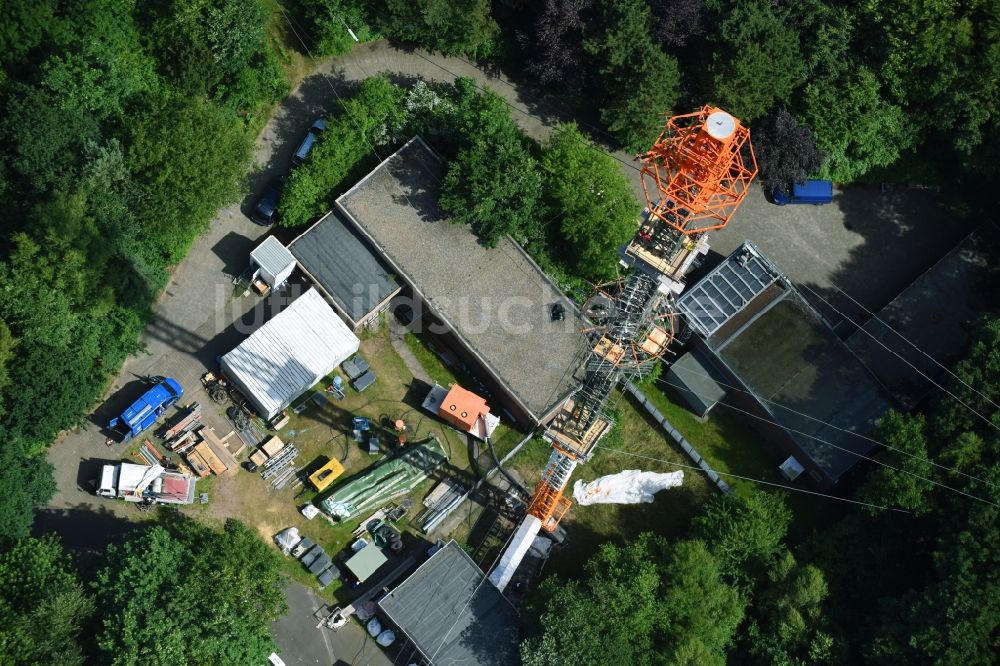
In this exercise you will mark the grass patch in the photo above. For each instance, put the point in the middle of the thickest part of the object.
(730, 445)
(724, 440)
(589, 526)
(505, 437)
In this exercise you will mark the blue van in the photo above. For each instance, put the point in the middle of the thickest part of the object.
(307, 143)
(815, 192)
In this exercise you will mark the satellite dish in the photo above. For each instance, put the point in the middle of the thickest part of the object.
(720, 125)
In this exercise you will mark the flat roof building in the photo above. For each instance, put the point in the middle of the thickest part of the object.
(495, 302)
(931, 321)
(340, 263)
(452, 615)
(290, 353)
(786, 364)
(692, 380)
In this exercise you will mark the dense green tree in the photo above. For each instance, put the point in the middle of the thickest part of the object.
(787, 627)
(171, 142)
(25, 482)
(855, 126)
(639, 82)
(330, 21)
(758, 63)
(644, 603)
(104, 66)
(941, 62)
(744, 531)
(493, 183)
(189, 594)
(901, 484)
(977, 384)
(8, 346)
(785, 149)
(44, 141)
(595, 202)
(701, 611)
(219, 48)
(955, 617)
(26, 25)
(43, 604)
(364, 125)
(453, 27)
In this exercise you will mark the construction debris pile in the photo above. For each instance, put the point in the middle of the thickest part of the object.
(204, 452)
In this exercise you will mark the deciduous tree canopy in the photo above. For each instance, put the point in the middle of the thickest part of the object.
(594, 203)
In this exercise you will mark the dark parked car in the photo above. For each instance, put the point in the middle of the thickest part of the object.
(266, 210)
(307, 143)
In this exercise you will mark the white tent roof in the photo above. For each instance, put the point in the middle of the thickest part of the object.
(272, 256)
(284, 357)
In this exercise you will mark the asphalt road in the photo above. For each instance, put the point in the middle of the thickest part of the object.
(300, 642)
(868, 243)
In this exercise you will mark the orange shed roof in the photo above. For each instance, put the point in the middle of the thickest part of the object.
(462, 407)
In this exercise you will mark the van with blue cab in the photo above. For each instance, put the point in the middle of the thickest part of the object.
(146, 410)
(815, 192)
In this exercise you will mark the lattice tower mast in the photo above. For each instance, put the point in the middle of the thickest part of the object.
(694, 177)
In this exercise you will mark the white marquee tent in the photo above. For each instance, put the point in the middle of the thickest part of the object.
(294, 350)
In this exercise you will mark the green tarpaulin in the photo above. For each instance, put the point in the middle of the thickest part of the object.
(385, 480)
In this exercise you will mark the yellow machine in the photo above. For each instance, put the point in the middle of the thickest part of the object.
(325, 475)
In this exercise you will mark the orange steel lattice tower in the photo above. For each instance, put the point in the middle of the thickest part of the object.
(695, 177)
(698, 171)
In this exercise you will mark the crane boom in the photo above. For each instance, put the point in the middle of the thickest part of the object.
(694, 177)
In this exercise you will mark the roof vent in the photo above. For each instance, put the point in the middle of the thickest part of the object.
(451, 407)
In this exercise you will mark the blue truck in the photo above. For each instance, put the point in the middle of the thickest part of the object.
(815, 192)
(146, 410)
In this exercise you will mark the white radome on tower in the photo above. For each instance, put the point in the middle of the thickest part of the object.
(720, 125)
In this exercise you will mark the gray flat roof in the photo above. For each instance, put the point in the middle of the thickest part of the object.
(496, 300)
(334, 255)
(695, 381)
(452, 614)
(936, 313)
(788, 356)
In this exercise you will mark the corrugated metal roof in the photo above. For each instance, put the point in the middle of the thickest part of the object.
(287, 355)
(725, 291)
(272, 256)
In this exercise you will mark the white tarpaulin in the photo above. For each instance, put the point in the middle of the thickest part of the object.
(629, 487)
(519, 545)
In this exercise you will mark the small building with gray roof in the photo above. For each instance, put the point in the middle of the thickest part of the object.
(452, 614)
(492, 306)
(333, 255)
(785, 369)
